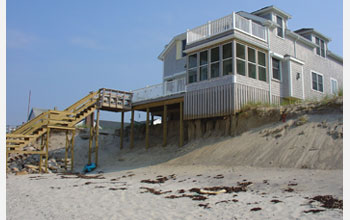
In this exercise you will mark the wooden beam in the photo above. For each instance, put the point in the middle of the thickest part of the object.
(164, 121)
(66, 151)
(159, 103)
(72, 151)
(132, 129)
(91, 138)
(41, 156)
(181, 142)
(47, 149)
(97, 131)
(122, 131)
(147, 129)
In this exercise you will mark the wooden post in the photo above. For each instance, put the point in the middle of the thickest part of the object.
(181, 142)
(164, 121)
(132, 129)
(91, 139)
(122, 131)
(41, 154)
(147, 129)
(66, 151)
(7, 158)
(97, 133)
(72, 151)
(47, 149)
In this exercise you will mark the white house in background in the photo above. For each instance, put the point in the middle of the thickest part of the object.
(245, 57)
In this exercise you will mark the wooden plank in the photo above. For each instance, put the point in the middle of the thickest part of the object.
(164, 121)
(159, 103)
(59, 127)
(41, 156)
(66, 151)
(91, 137)
(181, 143)
(47, 149)
(72, 150)
(26, 152)
(132, 129)
(19, 136)
(122, 130)
(97, 131)
(147, 129)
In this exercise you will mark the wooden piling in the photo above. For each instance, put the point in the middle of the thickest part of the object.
(122, 131)
(132, 130)
(66, 151)
(72, 151)
(96, 137)
(164, 121)
(91, 137)
(47, 149)
(147, 129)
(41, 155)
(181, 142)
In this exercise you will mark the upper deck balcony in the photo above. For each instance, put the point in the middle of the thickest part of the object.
(230, 22)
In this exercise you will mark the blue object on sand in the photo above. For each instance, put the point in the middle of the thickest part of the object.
(89, 167)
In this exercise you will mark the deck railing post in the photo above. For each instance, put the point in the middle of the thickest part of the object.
(233, 20)
(209, 28)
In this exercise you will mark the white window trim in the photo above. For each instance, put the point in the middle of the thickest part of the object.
(223, 60)
(245, 59)
(332, 79)
(249, 62)
(325, 48)
(283, 31)
(199, 66)
(313, 71)
(280, 60)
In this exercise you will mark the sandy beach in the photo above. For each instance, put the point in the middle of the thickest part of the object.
(277, 171)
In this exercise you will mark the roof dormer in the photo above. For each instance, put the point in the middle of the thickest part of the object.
(277, 16)
(316, 37)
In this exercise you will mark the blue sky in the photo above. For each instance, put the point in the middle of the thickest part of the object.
(61, 50)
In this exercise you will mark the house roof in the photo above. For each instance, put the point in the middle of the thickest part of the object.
(168, 46)
(273, 9)
(312, 31)
(36, 111)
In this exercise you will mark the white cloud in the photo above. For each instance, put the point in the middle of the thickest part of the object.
(18, 39)
(86, 43)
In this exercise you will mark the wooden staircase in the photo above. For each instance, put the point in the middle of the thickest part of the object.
(39, 127)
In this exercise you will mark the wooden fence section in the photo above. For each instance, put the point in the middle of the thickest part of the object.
(247, 94)
(209, 102)
(223, 100)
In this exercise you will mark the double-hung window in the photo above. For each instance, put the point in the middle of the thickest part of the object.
(192, 68)
(334, 86)
(262, 66)
(227, 59)
(317, 82)
(280, 26)
(320, 49)
(276, 69)
(215, 62)
(203, 62)
(251, 63)
(240, 59)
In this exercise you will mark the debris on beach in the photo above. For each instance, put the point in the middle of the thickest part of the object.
(289, 189)
(160, 179)
(206, 205)
(275, 201)
(121, 188)
(155, 192)
(255, 209)
(329, 202)
(314, 210)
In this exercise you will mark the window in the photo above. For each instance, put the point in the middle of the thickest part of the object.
(227, 59)
(203, 62)
(317, 82)
(240, 59)
(279, 27)
(276, 69)
(192, 68)
(262, 66)
(251, 63)
(215, 62)
(320, 49)
(334, 86)
(183, 47)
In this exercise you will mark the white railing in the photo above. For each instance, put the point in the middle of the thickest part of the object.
(159, 90)
(229, 22)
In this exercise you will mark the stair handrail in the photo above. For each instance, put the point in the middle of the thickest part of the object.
(30, 123)
(75, 106)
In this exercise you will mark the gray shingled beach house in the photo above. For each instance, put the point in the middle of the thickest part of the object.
(245, 57)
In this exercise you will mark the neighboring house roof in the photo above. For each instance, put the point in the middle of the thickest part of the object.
(273, 9)
(35, 112)
(168, 46)
(253, 17)
(312, 31)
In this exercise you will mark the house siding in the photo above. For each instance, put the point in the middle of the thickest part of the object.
(173, 66)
